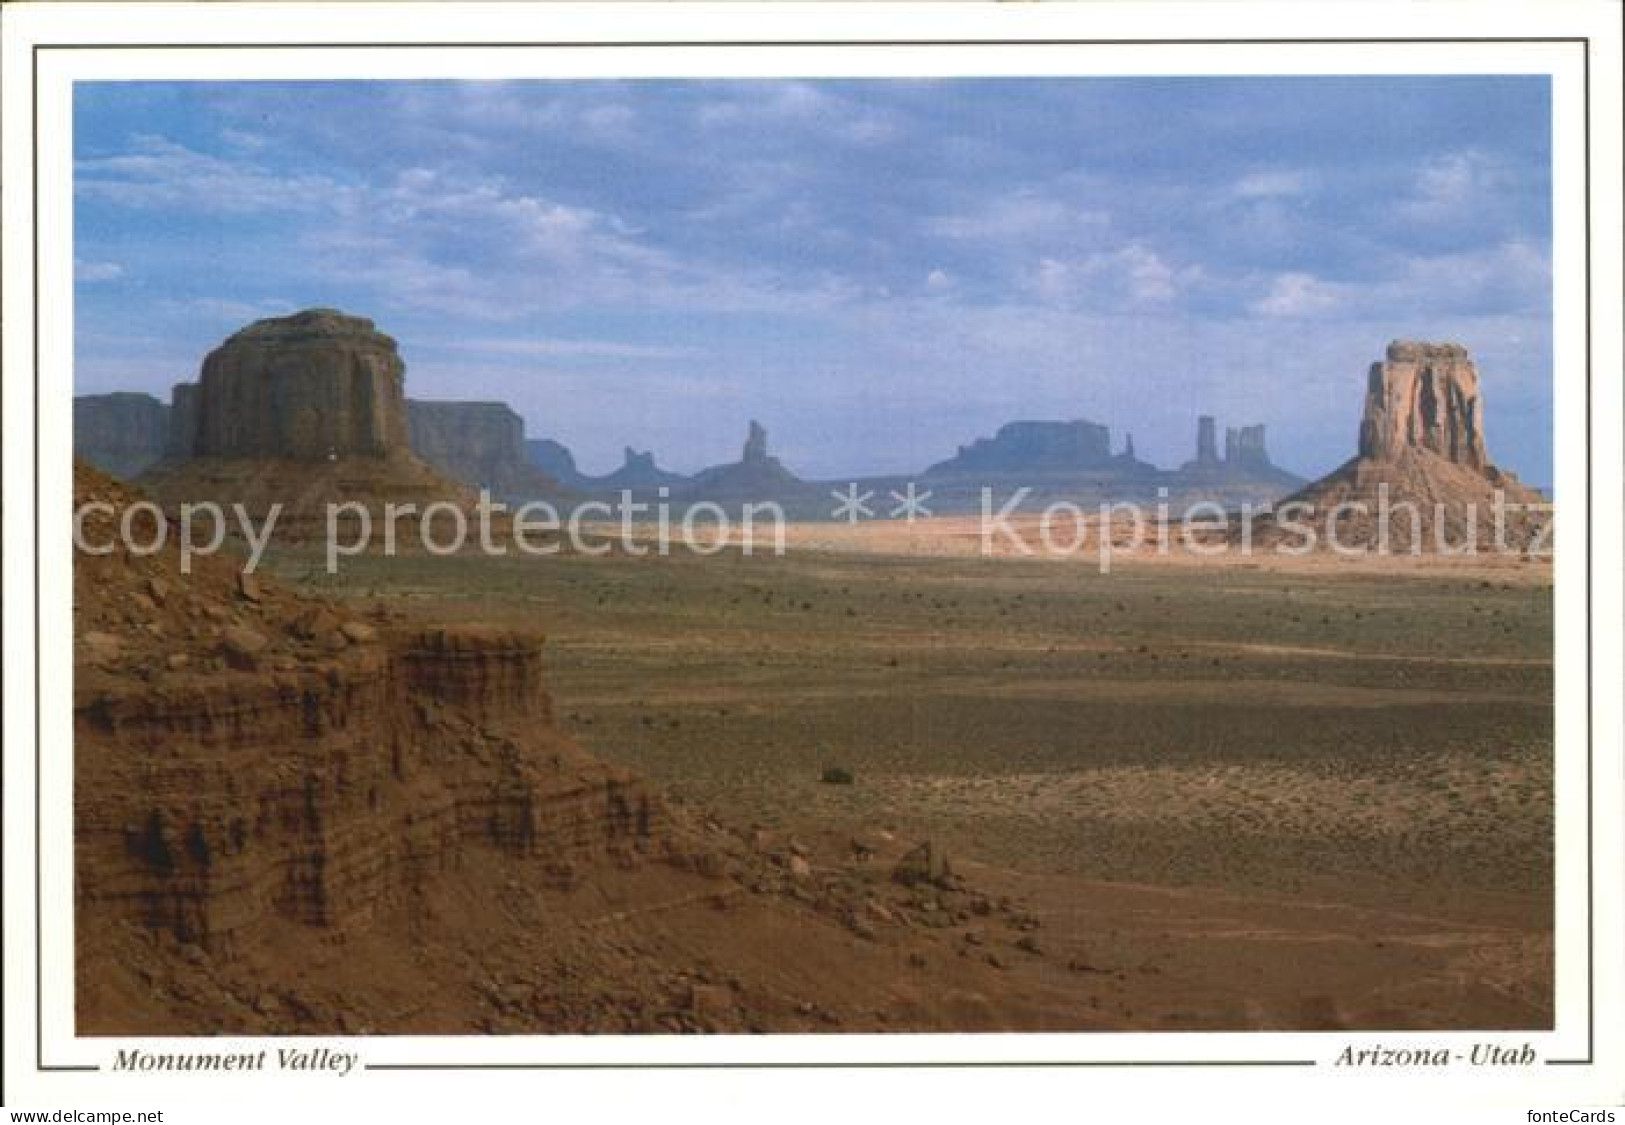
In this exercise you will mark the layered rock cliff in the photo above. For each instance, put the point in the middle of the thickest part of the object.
(244, 754)
(307, 387)
(291, 818)
(124, 432)
(1424, 396)
(481, 444)
(1422, 460)
(183, 416)
(301, 411)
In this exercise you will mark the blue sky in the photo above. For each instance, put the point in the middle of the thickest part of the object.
(878, 270)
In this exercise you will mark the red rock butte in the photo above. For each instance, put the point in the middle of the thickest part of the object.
(300, 411)
(1422, 445)
(310, 386)
(1424, 396)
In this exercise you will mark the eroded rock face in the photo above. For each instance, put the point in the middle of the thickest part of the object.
(478, 443)
(555, 459)
(1034, 447)
(1244, 447)
(639, 470)
(1422, 480)
(312, 386)
(123, 432)
(756, 475)
(182, 420)
(1207, 450)
(298, 413)
(245, 755)
(1424, 396)
(755, 452)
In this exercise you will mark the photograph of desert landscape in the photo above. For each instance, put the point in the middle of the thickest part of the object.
(813, 555)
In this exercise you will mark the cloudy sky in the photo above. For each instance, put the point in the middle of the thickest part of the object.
(878, 270)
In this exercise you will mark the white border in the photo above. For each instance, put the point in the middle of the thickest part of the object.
(153, 23)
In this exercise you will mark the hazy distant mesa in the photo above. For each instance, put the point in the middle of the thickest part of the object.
(323, 395)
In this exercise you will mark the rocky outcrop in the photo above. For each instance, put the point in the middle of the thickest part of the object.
(479, 443)
(1244, 474)
(300, 411)
(1032, 447)
(1422, 480)
(638, 471)
(1244, 447)
(1207, 452)
(307, 387)
(293, 819)
(755, 452)
(1424, 396)
(555, 459)
(183, 398)
(243, 761)
(757, 475)
(123, 432)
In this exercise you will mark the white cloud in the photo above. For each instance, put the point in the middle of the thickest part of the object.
(1270, 183)
(97, 271)
(161, 174)
(1023, 215)
(798, 106)
(1296, 296)
(1455, 188)
(1131, 274)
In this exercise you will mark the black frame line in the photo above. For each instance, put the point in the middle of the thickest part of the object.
(1584, 41)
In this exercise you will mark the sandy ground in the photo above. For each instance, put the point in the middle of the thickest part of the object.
(1237, 793)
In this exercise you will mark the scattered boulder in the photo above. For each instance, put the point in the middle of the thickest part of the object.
(242, 647)
(924, 865)
(101, 647)
(359, 632)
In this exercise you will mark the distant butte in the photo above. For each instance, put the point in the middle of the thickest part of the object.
(1421, 443)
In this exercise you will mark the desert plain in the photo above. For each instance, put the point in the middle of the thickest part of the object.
(1238, 793)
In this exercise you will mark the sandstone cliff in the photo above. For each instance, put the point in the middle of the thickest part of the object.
(307, 387)
(1424, 396)
(183, 398)
(303, 411)
(123, 432)
(481, 444)
(1421, 453)
(292, 818)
